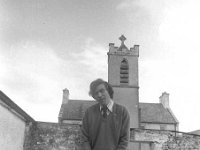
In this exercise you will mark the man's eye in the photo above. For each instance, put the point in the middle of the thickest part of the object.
(102, 90)
(97, 92)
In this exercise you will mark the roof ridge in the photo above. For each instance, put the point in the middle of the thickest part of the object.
(15, 107)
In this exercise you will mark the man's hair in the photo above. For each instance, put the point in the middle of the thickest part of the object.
(95, 83)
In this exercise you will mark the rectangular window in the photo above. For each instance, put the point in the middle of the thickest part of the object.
(162, 127)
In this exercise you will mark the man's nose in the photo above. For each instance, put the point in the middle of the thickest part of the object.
(99, 94)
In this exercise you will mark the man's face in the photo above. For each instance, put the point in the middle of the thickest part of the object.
(101, 95)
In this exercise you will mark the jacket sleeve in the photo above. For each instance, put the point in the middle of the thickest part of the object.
(85, 132)
(125, 131)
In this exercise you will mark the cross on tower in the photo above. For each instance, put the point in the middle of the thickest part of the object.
(122, 38)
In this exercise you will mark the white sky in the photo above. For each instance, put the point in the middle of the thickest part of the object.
(46, 46)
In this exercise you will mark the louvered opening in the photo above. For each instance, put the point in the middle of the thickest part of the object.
(124, 72)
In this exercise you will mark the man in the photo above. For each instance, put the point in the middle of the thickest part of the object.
(105, 125)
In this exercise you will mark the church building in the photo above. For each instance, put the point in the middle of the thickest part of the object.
(123, 77)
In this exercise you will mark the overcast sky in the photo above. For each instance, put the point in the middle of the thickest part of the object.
(49, 45)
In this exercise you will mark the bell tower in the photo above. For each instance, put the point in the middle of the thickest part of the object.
(123, 76)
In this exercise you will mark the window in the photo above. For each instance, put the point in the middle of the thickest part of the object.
(162, 127)
(124, 72)
(142, 126)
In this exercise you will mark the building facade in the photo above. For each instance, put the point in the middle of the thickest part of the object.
(123, 77)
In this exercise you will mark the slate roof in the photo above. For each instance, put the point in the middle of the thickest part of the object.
(155, 113)
(150, 112)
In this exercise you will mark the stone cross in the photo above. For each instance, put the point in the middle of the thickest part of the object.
(122, 38)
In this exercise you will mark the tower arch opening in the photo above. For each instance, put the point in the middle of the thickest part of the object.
(124, 72)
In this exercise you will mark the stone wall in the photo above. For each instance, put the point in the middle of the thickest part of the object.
(167, 140)
(54, 136)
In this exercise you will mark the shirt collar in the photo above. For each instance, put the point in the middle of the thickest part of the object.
(110, 105)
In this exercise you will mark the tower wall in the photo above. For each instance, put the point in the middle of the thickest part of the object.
(128, 97)
(125, 93)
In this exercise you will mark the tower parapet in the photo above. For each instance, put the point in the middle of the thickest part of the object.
(123, 50)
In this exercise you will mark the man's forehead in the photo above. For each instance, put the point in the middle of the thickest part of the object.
(99, 87)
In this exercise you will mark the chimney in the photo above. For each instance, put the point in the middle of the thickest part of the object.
(136, 48)
(164, 99)
(65, 96)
